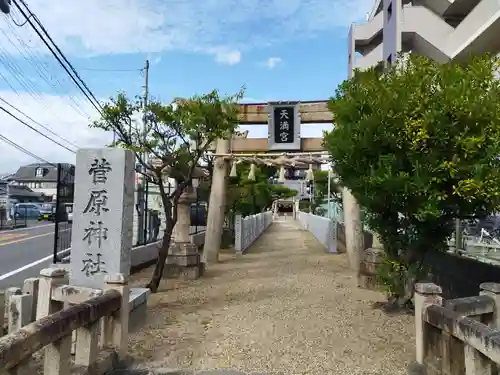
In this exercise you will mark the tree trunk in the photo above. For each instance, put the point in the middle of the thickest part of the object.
(157, 275)
(170, 209)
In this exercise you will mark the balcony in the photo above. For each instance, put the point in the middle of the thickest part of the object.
(427, 33)
(365, 34)
(371, 59)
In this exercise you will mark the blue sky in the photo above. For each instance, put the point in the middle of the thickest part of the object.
(277, 49)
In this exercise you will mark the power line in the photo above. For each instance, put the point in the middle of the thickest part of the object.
(31, 14)
(23, 150)
(88, 95)
(31, 87)
(111, 70)
(39, 124)
(34, 59)
(35, 129)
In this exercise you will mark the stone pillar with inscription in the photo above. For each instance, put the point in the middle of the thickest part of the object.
(103, 216)
(183, 260)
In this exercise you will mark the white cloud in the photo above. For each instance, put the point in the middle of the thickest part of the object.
(227, 56)
(69, 123)
(272, 62)
(102, 27)
(95, 27)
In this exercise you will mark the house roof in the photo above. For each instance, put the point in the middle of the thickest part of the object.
(20, 191)
(5, 176)
(28, 172)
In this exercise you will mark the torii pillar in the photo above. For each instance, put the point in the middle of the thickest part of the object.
(354, 236)
(216, 205)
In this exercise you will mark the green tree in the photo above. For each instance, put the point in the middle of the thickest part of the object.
(321, 187)
(175, 138)
(419, 146)
(253, 196)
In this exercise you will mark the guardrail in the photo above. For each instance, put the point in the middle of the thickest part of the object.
(458, 336)
(18, 220)
(324, 229)
(248, 229)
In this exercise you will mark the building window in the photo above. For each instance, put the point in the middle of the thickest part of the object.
(39, 172)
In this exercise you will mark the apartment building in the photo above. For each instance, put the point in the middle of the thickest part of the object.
(441, 30)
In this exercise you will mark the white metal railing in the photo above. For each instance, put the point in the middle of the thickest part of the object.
(248, 229)
(478, 244)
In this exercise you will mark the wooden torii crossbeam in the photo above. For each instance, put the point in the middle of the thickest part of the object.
(311, 112)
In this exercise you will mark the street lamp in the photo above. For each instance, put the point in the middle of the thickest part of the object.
(5, 6)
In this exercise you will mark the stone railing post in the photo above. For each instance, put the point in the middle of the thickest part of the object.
(56, 355)
(50, 278)
(238, 233)
(116, 330)
(19, 311)
(30, 287)
(425, 294)
(3, 306)
(7, 308)
(492, 290)
(476, 361)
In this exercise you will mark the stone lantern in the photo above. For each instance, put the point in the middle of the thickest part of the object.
(184, 258)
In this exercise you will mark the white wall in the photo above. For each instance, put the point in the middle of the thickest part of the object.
(322, 228)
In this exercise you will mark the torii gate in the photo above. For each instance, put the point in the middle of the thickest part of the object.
(284, 120)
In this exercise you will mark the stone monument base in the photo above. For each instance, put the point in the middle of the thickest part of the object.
(367, 277)
(183, 262)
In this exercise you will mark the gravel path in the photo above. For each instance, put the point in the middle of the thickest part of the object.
(286, 307)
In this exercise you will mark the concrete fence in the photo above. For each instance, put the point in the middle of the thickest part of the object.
(248, 229)
(141, 256)
(457, 336)
(324, 229)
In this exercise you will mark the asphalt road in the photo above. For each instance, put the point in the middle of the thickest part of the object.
(20, 247)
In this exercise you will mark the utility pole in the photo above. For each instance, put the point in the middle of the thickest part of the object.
(143, 197)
